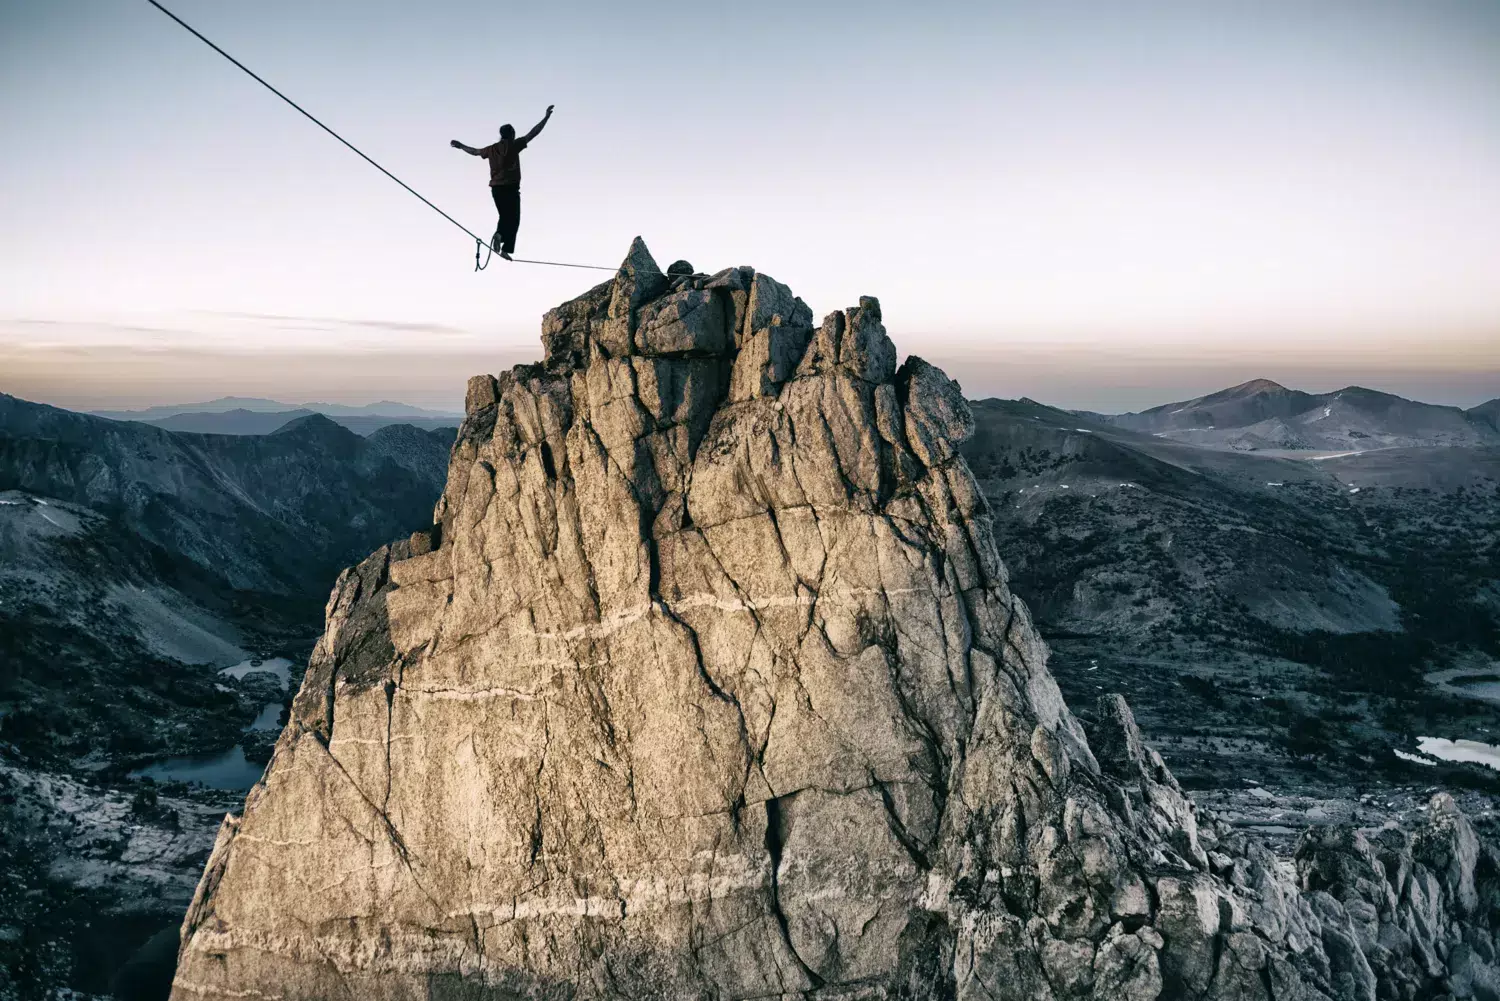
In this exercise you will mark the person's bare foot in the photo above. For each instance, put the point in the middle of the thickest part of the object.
(505, 255)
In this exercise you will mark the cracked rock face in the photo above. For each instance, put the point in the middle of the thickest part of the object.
(707, 683)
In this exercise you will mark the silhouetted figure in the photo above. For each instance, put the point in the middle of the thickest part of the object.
(505, 180)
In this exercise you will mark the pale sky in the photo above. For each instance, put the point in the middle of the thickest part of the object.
(1102, 205)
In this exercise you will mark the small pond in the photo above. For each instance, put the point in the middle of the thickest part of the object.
(279, 666)
(225, 770)
(1461, 750)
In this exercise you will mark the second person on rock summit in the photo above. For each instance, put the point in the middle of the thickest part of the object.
(505, 180)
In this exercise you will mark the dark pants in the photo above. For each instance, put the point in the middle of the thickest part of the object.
(508, 204)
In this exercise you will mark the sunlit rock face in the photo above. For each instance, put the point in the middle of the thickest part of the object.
(707, 683)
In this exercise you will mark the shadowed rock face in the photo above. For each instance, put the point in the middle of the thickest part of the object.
(708, 683)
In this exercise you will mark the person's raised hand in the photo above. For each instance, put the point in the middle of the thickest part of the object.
(550, 107)
(456, 144)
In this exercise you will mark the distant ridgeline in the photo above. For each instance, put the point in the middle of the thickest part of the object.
(235, 415)
(279, 512)
(1263, 415)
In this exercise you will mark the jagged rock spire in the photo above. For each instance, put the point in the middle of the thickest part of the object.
(708, 682)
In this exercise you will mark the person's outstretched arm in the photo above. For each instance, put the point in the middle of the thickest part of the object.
(539, 125)
(468, 149)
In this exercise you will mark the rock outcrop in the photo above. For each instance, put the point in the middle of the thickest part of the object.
(708, 683)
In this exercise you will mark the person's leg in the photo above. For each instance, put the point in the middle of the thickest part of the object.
(510, 216)
(500, 227)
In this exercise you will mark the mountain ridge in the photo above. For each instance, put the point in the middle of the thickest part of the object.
(254, 422)
(260, 405)
(198, 494)
(1486, 413)
(1264, 415)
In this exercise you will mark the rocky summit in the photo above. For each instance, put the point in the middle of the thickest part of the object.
(707, 682)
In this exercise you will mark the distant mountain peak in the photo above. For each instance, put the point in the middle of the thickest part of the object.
(1256, 386)
(315, 425)
(1487, 413)
(1363, 392)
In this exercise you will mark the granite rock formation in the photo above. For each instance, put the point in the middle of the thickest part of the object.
(708, 683)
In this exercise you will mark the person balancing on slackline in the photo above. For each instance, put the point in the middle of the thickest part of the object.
(505, 180)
